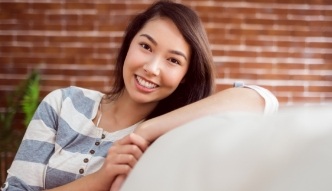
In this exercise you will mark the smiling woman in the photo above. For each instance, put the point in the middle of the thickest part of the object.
(155, 66)
(163, 78)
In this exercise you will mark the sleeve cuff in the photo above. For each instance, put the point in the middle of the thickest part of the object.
(271, 102)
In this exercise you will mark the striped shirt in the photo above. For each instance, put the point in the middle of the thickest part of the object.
(62, 143)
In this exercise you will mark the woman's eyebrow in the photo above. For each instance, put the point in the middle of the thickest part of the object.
(178, 53)
(171, 51)
(150, 38)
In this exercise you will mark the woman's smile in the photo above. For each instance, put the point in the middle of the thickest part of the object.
(144, 84)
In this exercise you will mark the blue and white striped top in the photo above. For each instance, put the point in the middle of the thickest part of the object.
(61, 143)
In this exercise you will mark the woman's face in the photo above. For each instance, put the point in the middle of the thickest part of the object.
(156, 62)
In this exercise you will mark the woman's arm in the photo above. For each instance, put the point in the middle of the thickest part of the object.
(26, 171)
(229, 100)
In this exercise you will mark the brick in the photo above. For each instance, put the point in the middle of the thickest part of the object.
(10, 82)
(56, 83)
(103, 7)
(244, 32)
(57, 60)
(76, 72)
(221, 39)
(259, 21)
(106, 50)
(220, 87)
(31, 38)
(137, 7)
(210, 9)
(290, 88)
(79, 27)
(288, 43)
(117, 39)
(273, 54)
(59, 18)
(287, 66)
(77, 50)
(213, 31)
(5, 60)
(327, 99)
(92, 84)
(235, 75)
(14, 7)
(95, 39)
(292, 22)
(305, 55)
(283, 100)
(291, 1)
(90, 18)
(324, 45)
(47, 50)
(12, 70)
(15, 49)
(253, 65)
(77, 5)
(92, 61)
(13, 27)
(327, 88)
(327, 12)
(106, 27)
(45, 27)
(27, 60)
(259, 43)
(218, 52)
(324, 66)
(306, 99)
(62, 39)
(39, 6)
(241, 53)
(29, 17)
(319, 2)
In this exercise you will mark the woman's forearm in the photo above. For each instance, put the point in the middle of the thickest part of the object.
(85, 183)
(82, 184)
(233, 99)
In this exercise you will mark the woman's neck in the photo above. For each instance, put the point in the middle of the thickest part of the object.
(123, 112)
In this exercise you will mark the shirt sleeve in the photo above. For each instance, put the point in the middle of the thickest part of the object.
(271, 102)
(28, 168)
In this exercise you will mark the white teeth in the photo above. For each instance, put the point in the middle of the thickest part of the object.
(144, 83)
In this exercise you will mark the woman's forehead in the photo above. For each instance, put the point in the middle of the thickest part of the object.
(163, 29)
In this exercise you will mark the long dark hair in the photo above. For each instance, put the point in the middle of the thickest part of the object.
(199, 79)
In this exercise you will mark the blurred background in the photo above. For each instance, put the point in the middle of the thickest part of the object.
(282, 45)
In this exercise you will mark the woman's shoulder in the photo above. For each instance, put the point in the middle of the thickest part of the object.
(74, 93)
(80, 91)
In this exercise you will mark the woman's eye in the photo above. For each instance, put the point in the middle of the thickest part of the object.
(173, 60)
(145, 46)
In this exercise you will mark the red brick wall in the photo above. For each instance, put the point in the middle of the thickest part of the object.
(283, 45)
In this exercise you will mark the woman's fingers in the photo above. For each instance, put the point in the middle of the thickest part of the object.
(139, 141)
(123, 159)
(133, 150)
(134, 139)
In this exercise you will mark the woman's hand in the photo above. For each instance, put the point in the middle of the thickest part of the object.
(121, 158)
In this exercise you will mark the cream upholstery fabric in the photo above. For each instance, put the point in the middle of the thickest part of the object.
(291, 150)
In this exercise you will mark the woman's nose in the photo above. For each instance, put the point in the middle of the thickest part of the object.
(152, 67)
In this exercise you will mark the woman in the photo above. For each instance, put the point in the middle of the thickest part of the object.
(81, 139)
